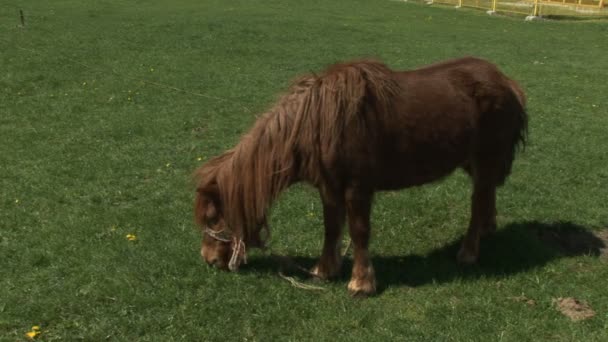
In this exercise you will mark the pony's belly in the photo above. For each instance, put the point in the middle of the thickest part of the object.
(406, 173)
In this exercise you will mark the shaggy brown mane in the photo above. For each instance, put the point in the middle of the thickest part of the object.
(288, 141)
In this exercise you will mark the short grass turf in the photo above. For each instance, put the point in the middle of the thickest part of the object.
(107, 107)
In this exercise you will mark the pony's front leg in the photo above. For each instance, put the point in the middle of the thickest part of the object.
(358, 208)
(331, 260)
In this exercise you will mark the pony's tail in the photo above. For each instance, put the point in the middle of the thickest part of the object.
(522, 115)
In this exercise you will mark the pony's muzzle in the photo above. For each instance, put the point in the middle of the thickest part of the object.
(213, 258)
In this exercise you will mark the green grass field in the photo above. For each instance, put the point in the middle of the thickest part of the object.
(107, 107)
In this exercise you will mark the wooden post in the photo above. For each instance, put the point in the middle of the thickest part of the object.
(535, 8)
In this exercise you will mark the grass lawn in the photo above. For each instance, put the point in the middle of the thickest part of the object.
(106, 108)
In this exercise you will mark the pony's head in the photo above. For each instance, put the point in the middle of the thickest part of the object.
(222, 246)
(236, 189)
(217, 238)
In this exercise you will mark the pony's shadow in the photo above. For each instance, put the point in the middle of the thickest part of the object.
(516, 248)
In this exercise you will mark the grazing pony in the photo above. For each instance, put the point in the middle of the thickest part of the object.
(355, 129)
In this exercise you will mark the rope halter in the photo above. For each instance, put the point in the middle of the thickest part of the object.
(239, 250)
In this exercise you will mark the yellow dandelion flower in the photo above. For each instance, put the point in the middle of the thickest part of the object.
(199, 158)
(131, 237)
(33, 333)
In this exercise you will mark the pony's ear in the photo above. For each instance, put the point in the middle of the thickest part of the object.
(211, 209)
(206, 205)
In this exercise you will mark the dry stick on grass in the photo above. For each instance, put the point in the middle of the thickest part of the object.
(285, 261)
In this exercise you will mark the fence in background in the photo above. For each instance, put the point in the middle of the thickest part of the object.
(535, 8)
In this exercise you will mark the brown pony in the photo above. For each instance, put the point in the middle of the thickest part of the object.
(358, 128)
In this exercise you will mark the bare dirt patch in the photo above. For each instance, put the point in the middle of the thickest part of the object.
(574, 309)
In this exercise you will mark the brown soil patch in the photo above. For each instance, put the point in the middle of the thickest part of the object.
(574, 309)
(603, 236)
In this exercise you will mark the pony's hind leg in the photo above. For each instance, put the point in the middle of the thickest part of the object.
(499, 134)
(333, 218)
(358, 208)
(483, 214)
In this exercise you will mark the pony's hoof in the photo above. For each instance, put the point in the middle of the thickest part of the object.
(359, 288)
(324, 273)
(466, 257)
(317, 275)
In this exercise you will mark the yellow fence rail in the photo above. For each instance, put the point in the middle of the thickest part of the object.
(534, 8)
